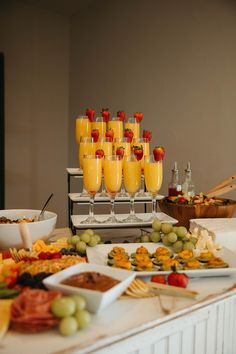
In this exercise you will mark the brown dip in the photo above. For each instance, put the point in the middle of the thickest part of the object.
(91, 281)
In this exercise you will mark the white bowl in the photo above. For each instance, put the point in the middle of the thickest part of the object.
(9, 233)
(96, 300)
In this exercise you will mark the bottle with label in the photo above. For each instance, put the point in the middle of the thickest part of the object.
(174, 188)
(188, 185)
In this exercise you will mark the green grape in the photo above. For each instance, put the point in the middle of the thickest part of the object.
(145, 238)
(188, 246)
(166, 228)
(165, 240)
(69, 240)
(85, 237)
(79, 302)
(174, 229)
(68, 326)
(74, 239)
(178, 246)
(181, 231)
(193, 240)
(98, 238)
(83, 318)
(81, 247)
(156, 225)
(93, 241)
(155, 236)
(172, 237)
(63, 307)
(90, 232)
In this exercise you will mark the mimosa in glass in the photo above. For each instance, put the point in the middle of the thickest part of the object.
(99, 124)
(125, 144)
(92, 168)
(86, 147)
(132, 181)
(82, 128)
(146, 151)
(116, 125)
(132, 124)
(153, 174)
(113, 178)
(104, 144)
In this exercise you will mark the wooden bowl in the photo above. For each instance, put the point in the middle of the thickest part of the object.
(183, 213)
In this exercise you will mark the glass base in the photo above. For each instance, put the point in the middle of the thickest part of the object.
(132, 218)
(141, 194)
(103, 194)
(90, 220)
(84, 193)
(112, 220)
(122, 194)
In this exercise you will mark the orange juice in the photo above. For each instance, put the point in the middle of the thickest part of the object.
(146, 149)
(117, 126)
(153, 175)
(101, 126)
(135, 127)
(86, 148)
(82, 128)
(113, 175)
(92, 168)
(106, 146)
(132, 176)
(124, 143)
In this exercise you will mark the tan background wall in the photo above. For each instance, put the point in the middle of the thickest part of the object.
(172, 60)
(36, 47)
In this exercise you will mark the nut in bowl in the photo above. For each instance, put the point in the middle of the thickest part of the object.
(9, 226)
(81, 280)
(184, 210)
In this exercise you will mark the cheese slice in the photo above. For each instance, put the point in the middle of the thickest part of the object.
(5, 318)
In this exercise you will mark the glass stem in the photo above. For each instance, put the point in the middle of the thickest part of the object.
(132, 212)
(154, 205)
(112, 206)
(91, 206)
(122, 185)
(103, 186)
(142, 182)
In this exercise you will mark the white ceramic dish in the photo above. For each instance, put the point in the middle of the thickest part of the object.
(76, 220)
(9, 233)
(98, 255)
(96, 300)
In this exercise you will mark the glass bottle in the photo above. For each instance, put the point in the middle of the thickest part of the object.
(174, 187)
(188, 185)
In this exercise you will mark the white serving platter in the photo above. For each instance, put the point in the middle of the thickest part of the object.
(98, 255)
(77, 219)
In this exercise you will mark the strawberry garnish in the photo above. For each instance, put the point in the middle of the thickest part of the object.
(110, 134)
(105, 114)
(90, 113)
(159, 153)
(147, 135)
(138, 152)
(95, 135)
(121, 115)
(138, 116)
(128, 133)
(99, 153)
(120, 151)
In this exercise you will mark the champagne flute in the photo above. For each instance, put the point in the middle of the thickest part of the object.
(104, 144)
(99, 124)
(116, 125)
(112, 177)
(119, 144)
(153, 173)
(82, 128)
(86, 147)
(133, 125)
(132, 181)
(146, 151)
(92, 167)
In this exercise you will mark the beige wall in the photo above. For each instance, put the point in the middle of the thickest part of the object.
(36, 47)
(172, 60)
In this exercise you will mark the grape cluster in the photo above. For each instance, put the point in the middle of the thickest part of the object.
(33, 281)
(77, 244)
(176, 236)
(72, 314)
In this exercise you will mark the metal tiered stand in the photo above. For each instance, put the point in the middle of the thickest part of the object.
(74, 221)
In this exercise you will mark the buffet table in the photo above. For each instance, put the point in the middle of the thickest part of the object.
(205, 325)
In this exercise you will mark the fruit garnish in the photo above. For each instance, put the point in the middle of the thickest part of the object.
(90, 113)
(161, 279)
(120, 151)
(110, 134)
(128, 133)
(138, 116)
(159, 153)
(177, 279)
(105, 114)
(95, 135)
(121, 115)
(99, 153)
(138, 152)
(147, 135)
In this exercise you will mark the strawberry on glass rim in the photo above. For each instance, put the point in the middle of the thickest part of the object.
(159, 153)
(90, 113)
(105, 114)
(147, 135)
(138, 152)
(138, 116)
(99, 153)
(121, 115)
(128, 133)
(110, 134)
(95, 135)
(120, 151)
